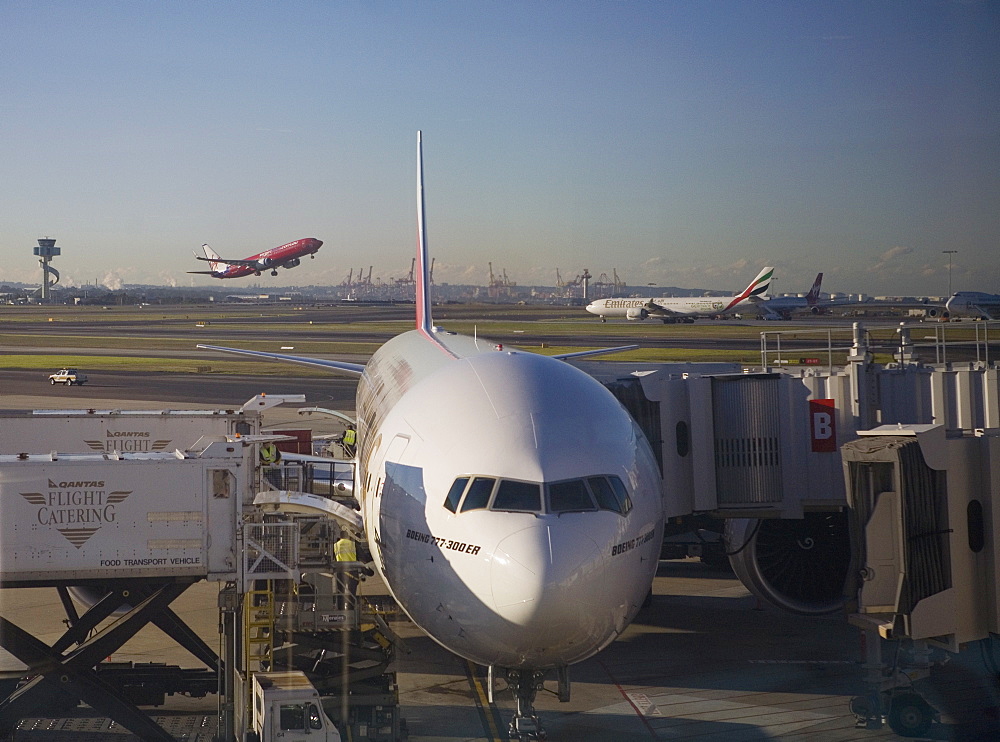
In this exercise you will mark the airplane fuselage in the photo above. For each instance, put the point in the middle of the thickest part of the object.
(974, 304)
(693, 307)
(286, 255)
(515, 573)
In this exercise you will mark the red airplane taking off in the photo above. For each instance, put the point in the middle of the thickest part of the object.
(285, 256)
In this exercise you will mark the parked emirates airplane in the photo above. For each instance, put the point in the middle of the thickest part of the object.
(680, 309)
(511, 504)
(285, 256)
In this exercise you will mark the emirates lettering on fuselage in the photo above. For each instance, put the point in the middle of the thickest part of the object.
(625, 303)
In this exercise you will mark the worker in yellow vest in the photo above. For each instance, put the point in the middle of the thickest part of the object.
(270, 460)
(345, 550)
(349, 441)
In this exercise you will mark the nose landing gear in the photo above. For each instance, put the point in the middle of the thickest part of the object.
(525, 725)
(525, 684)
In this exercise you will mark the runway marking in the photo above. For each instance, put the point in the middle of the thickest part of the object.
(488, 713)
(626, 696)
(643, 704)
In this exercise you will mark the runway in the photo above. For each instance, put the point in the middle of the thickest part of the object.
(704, 662)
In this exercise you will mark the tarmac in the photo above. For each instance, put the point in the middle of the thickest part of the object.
(705, 661)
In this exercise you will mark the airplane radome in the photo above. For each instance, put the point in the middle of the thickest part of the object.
(511, 504)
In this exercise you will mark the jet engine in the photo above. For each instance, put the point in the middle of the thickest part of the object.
(938, 312)
(292, 263)
(800, 566)
(638, 313)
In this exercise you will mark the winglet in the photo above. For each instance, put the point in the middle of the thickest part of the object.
(424, 321)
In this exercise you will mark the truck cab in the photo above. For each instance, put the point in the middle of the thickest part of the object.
(287, 708)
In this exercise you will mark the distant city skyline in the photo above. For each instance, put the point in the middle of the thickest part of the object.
(681, 144)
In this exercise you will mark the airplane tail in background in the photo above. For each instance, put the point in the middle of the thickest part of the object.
(760, 286)
(813, 296)
(213, 256)
(423, 299)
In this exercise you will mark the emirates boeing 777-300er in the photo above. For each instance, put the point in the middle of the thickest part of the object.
(684, 309)
(285, 256)
(511, 503)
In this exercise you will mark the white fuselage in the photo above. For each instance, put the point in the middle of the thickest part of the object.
(521, 587)
(974, 304)
(705, 306)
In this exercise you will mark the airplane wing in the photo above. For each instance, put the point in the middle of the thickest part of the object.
(598, 352)
(247, 263)
(203, 273)
(658, 310)
(355, 369)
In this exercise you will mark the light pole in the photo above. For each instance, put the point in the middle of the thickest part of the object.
(949, 253)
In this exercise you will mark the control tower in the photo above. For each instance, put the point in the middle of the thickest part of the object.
(45, 251)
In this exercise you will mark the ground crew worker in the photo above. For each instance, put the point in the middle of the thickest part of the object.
(348, 440)
(344, 550)
(270, 458)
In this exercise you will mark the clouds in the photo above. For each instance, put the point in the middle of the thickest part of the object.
(888, 258)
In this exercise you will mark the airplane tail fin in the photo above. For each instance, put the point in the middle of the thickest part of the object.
(211, 255)
(422, 272)
(813, 296)
(760, 286)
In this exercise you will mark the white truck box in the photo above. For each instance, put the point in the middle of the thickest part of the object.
(126, 431)
(91, 516)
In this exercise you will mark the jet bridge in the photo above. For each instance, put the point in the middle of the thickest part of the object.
(926, 559)
(750, 458)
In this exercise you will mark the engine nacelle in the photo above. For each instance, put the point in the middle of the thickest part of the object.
(292, 263)
(938, 312)
(263, 263)
(636, 313)
(798, 565)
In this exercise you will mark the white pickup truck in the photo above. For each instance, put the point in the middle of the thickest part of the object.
(68, 376)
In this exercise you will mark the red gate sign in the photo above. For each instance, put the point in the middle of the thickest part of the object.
(823, 425)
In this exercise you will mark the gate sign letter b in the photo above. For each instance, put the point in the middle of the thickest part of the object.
(823, 425)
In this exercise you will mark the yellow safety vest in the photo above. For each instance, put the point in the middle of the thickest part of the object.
(349, 437)
(268, 453)
(345, 551)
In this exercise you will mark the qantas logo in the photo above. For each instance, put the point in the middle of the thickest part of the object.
(127, 441)
(77, 509)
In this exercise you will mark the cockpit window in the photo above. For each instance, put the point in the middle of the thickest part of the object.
(513, 495)
(567, 496)
(455, 494)
(604, 494)
(478, 496)
(622, 494)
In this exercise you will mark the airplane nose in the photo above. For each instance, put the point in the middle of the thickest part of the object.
(543, 580)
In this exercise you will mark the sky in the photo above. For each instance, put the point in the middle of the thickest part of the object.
(677, 143)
